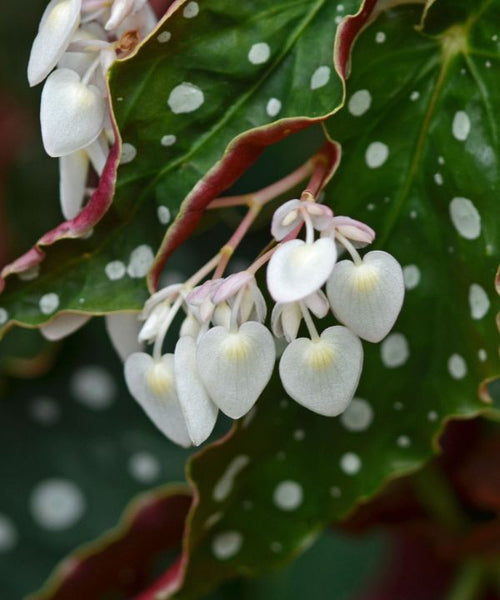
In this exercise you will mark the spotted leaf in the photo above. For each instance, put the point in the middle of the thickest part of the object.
(194, 107)
(431, 196)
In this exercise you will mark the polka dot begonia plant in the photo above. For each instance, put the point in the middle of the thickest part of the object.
(339, 316)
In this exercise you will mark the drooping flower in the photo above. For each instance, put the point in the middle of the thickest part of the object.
(367, 296)
(152, 383)
(235, 365)
(323, 373)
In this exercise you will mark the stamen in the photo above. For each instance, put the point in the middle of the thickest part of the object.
(350, 248)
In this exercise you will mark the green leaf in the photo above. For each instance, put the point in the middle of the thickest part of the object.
(265, 491)
(208, 86)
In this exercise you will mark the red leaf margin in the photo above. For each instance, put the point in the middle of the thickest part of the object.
(246, 148)
(101, 199)
(120, 560)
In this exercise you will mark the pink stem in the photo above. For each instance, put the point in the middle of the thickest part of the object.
(268, 193)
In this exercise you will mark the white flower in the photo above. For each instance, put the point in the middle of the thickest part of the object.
(236, 365)
(367, 297)
(152, 383)
(200, 413)
(59, 22)
(73, 173)
(322, 374)
(298, 269)
(357, 232)
(71, 113)
(240, 290)
(286, 318)
(122, 9)
(293, 213)
(156, 311)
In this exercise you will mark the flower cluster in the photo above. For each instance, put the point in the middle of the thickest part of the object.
(225, 354)
(80, 39)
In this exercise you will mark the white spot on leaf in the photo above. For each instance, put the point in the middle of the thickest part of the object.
(128, 154)
(288, 495)
(49, 303)
(224, 485)
(358, 416)
(140, 261)
(376, 154)
(191, 10)
(93, 387)
(259, 53)
(227, 544)
(115, 270)
(56, 504)
(457, 366)
(461, 126)
(273, 107)
(465, 218)
(320, 77)
(164, 37)
(478, 301)
(350, 463)
(163, 215)
(403, 441)
(411, 275)
(394, 350)
(380, 37)
(185, 98)
(414, 96)
(144, 467)
(4, 316)
(359, 103)
(168, 140)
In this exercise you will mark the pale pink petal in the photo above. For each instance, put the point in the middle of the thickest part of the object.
(286, 218)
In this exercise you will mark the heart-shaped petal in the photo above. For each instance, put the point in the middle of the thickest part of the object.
(199, 411)
(71, 113)
(235, 367)
(323, 374)
(59, 22)
(298, 269)
(152, 383)
(367, 297)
